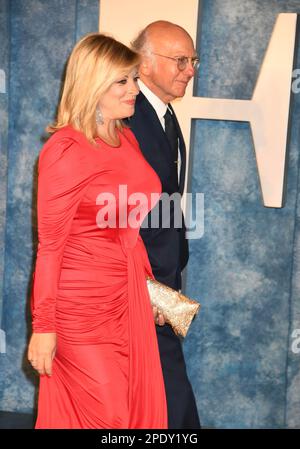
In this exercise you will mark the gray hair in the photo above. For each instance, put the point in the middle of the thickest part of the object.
(141, 43)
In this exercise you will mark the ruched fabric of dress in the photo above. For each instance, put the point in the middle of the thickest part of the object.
(90, 286)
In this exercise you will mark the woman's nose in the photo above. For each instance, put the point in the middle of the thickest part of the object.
(134, 87)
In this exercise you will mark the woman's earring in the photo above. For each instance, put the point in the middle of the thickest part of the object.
(99, 116)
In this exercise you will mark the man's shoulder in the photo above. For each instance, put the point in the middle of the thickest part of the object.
(141, 102)
(143, 110)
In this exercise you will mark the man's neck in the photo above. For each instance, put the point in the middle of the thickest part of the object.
(158, 105)
(156, 91)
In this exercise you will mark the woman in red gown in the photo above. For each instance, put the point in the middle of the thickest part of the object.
(94, 342)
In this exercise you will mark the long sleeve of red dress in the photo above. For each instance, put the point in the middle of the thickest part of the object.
(61, 185)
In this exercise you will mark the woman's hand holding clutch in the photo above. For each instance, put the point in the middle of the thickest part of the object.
(158, 316)
(177, 309)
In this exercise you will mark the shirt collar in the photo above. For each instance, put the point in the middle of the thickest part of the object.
(159, 106)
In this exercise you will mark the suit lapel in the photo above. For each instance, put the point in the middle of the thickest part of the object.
(154, 129)
(151, 113)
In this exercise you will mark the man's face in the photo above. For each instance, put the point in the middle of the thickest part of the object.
(163, 77)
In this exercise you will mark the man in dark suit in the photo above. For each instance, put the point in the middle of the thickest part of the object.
(168, 62)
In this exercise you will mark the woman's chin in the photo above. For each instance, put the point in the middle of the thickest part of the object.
(129, 114)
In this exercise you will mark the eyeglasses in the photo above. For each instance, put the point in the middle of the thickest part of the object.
(182, 61)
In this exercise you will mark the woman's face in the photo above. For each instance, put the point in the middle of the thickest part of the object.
(119, 99)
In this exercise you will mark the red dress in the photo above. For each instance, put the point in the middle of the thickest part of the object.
(90, 286)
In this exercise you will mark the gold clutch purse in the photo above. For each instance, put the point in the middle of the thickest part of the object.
(178, 309)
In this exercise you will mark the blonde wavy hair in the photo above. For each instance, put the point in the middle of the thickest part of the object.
(95, 63)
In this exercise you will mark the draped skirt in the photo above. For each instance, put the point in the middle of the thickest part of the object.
(106, 370)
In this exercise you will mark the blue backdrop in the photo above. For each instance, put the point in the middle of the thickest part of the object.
(245, 269)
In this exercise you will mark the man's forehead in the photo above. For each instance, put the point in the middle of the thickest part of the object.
(170, 35)
(179, 41)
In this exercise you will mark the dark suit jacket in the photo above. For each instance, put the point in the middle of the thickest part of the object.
(167, 247)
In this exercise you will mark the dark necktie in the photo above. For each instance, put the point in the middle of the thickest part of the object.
(172, 135)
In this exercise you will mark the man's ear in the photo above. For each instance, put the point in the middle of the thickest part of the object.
(146, 66)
